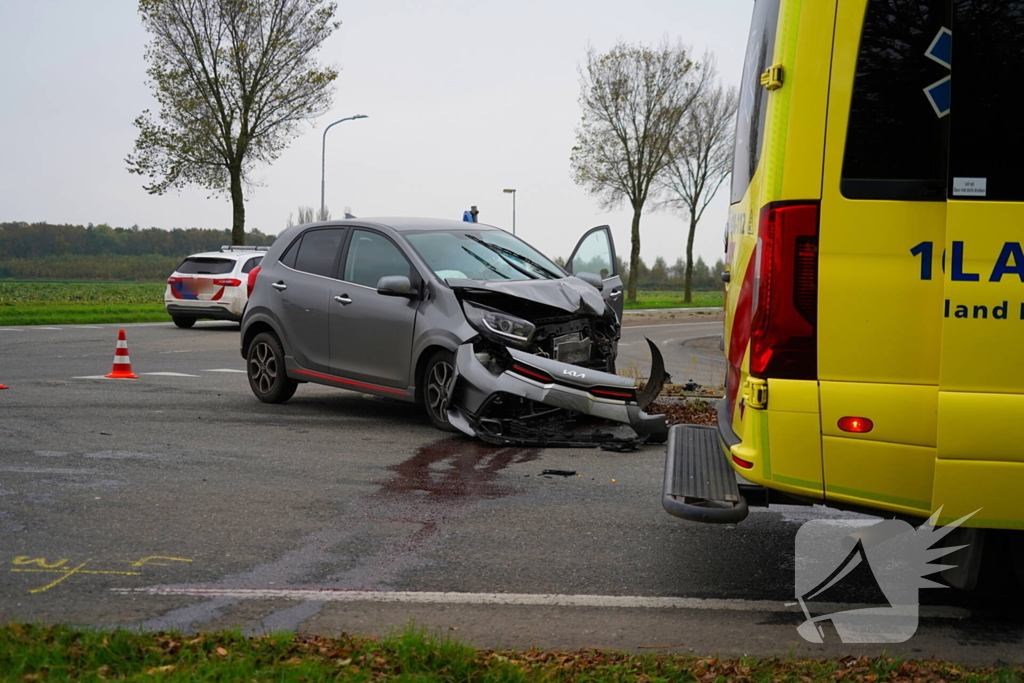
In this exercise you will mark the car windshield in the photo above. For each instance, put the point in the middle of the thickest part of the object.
(482, 255)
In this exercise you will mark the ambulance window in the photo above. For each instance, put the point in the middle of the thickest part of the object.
(987, 136)
(753, 97)
(897, 140)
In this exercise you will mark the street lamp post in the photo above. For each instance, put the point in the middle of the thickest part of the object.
(513, 193)
(323, 155)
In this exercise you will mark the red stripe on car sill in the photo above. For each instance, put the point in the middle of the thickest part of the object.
(349, 381)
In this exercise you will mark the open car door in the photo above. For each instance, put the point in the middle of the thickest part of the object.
(595, 253)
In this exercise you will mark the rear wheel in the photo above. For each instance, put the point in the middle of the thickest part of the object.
(438, 378)
(183, 323)
(265, 368)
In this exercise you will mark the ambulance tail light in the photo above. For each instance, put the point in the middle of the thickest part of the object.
(783, 339)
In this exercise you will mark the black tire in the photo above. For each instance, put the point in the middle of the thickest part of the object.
(437, 378)
(264, 366)
(183, 323)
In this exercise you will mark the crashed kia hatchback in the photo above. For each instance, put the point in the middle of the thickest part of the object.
(488, 334)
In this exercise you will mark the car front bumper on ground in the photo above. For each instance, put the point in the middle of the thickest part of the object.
(545, 381)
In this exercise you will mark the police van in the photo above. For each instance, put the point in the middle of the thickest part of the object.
(875, 270)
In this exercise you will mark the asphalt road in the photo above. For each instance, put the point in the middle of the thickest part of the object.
(179, 501)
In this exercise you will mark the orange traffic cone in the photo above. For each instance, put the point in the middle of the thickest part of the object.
(3, 387)
(122, 363)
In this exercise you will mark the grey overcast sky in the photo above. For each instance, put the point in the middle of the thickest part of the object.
(465, 98)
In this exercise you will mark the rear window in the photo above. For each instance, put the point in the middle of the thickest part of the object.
(987, 150)
(206, 266)
(753, 97)
(897, 139)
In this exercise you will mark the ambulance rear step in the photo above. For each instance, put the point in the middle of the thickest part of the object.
(700, 485)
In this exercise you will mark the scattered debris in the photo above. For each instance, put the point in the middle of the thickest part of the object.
(695, 411)
(560, 473)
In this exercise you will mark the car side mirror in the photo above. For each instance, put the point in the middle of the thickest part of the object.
(591, 279)
(395, 285)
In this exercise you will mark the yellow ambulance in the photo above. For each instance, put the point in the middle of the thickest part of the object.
(875, 296)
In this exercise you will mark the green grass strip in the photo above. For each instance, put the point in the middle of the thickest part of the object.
(61, 653)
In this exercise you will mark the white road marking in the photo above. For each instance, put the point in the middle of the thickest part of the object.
(168, 374)
(179, 351)
(668, 341)
(91, 377)
(10, 329)
(89, 327)
(225, 370)
(47, 328)
(530, 599)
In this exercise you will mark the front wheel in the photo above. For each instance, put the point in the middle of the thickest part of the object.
(183, 323)
(265, 368)
(438, 378)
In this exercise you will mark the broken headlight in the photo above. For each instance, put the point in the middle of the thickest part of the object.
(500, 327)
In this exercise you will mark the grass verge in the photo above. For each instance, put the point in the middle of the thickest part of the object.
(27, 302)
(672, 299)
(61, 653)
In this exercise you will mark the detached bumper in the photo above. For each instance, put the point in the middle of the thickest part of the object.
(549, 382)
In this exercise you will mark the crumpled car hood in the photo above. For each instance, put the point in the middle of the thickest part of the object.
(569, 293)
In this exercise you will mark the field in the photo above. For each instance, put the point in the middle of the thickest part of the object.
(60, 302)
(674, 299)
(31, 653)
(36, 302)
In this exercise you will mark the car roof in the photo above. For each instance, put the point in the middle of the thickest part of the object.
(407, 224)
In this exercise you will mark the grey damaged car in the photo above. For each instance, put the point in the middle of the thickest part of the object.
(488, 334)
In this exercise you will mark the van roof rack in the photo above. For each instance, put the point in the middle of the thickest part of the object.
(238, 247)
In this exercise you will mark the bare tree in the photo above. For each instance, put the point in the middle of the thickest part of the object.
(234, 80)
(633, 99)
(701, 159)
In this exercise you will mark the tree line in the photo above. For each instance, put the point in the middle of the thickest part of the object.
(101, 252)
(39, 240)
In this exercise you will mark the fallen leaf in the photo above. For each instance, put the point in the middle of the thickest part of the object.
(222, 652)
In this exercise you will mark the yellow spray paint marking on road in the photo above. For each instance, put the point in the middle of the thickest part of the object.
(43, 566)
(152, 559)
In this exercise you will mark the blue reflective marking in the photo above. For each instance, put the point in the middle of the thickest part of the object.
(939, 95)
(941, 49)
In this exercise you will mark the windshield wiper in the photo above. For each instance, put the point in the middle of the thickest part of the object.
(483, 261)
(503, 251)
(497, 250)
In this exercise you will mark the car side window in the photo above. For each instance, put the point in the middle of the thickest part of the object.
(985, 127)
(753, 97)
(288, 257)
(897, 140)
(593, 256)
(319, 251)
(372, 256)
(251, 263)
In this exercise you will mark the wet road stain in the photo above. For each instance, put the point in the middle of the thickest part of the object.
(453, 471)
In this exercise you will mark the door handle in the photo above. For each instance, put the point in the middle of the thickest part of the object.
(343, 300)
(279, 286)
(615, 294)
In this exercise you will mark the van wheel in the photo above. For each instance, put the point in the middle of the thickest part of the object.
(183, 323)
(438, 378)
(265, 369)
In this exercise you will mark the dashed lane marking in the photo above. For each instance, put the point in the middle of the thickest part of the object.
(225, 370)
(10, 329)
(168, 374)
(47, 328)
(530, 599)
